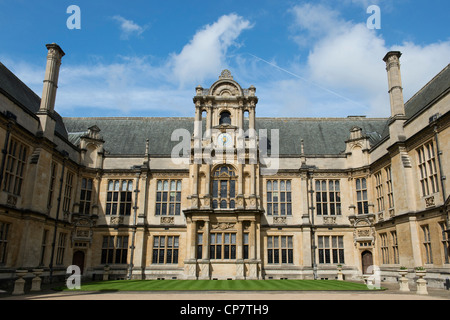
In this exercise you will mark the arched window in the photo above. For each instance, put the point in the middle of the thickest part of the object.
(224, 188)
(225, 118)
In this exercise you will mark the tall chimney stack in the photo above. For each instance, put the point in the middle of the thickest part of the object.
(47, 107)
(392, 60)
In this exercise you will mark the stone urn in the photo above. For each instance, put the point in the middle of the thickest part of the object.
(421, 273)
(404, 285)
(106, 269)
(19, 284)
(21, 273)
(36, 281)
(340, 275)
(403, 272)
(421, 282)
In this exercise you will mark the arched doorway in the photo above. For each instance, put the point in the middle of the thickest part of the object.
(367, 261)
(78, 260)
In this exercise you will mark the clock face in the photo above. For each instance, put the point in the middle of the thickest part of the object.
(224, 140)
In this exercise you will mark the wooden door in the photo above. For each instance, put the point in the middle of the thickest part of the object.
(367, 261)
(78, 260)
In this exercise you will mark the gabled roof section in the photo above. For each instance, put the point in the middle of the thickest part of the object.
(127, 136)
(23, 96)
(430, 92)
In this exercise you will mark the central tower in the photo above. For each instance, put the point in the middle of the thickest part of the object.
(223, 220)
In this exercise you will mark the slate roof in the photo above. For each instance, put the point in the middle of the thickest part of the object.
(127, 136)
(433, 89)
(15, 89)
(322, 136)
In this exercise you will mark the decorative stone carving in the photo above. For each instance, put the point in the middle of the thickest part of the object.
(12, 200)
(429, 202)
(116, 220)
(194, 202)
(363, 233)
(279, 220)
(226, 74)
(329, 220)
(190, 269)
(203, 272)
(167, 220)
(82, 233)
(223, 226)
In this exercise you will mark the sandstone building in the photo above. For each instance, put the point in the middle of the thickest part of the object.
(225, 194)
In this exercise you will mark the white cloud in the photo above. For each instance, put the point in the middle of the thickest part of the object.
(205, 55)
(128, 27)
(346, 57)
(138, 84)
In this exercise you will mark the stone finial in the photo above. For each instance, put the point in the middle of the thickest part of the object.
(226, 74)
(392, 54)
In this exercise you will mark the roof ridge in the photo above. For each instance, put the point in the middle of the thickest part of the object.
(18, 79)
(257, 118)
(428, 83)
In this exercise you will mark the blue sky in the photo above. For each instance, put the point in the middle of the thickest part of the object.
(145, 58)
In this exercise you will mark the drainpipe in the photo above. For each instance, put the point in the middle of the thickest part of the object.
(61, 180)
(313, 232)
(132, 247)
(439, 154)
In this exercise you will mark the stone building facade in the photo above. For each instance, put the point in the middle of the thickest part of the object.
(225, 194)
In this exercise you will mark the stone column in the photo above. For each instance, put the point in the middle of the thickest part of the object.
(252, 241)
(198, 135)
(205, 254)
(55, 53)
(195, 179)
(392, 60)
(206, 198)
(240, 266)
(239, 241)
(47, 106)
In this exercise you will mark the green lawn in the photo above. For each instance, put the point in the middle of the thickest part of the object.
(222, 285)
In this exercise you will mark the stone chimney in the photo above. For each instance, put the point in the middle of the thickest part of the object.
(392, 60)
(47, 107)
